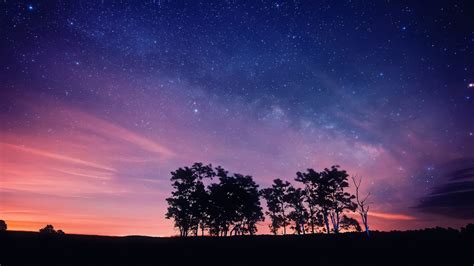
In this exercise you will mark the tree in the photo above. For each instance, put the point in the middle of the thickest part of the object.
(3, 226)
(349, 223)
(310, 181)
(338, 198)
(277, 203)
(189, 200)
(48, 229)
(298, 214)
(200, 196)
(321, 196)
(222, 204)
(179, 207)
(234, 205)
(273, 209)
(362, 205)
(249, 211)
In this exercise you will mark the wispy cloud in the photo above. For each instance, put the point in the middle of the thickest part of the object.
(391, 216)
(111, 130)
(55, 156)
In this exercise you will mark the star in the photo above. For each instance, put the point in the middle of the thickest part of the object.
(291, 86)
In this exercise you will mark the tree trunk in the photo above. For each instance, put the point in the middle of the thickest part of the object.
(334, 222)
(326, 222)
(365, 222)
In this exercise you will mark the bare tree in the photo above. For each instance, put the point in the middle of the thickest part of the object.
(362, 204)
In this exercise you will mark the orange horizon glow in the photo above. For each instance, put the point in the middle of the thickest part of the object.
(27, 221)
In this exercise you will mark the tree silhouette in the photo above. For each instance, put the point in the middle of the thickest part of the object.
(310, 181)
(234, 205)
(322, 196)
(362, 205)
(231, 206)
(339, 199)
(274, 211)
(3, 226)
(222, 204)
(348, 223)
(48, 229)
(298, 214)
(249, 211)
(325, 196)
(179, 207)
(277, 203)
(200, 196)
(189, 200)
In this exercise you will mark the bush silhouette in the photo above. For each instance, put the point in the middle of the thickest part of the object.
(3, 226)
(48, 229)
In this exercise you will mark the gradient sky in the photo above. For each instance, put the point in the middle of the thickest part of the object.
(100, 100)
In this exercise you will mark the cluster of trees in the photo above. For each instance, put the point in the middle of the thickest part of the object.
(49, 230)
(232, 206)
(320, 205)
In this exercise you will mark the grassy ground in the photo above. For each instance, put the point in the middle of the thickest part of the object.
(428, 247)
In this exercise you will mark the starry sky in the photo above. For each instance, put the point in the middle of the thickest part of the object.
(100, 100)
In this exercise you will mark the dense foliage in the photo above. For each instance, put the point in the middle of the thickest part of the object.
(231, 206)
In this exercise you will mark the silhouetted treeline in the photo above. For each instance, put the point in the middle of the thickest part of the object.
(49, 230)
(231, 206)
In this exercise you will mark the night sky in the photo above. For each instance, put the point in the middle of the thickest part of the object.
(100, 100)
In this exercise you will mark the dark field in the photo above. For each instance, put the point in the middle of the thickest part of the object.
(427, 247)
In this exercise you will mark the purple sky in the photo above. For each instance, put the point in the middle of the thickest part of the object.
(99, 102)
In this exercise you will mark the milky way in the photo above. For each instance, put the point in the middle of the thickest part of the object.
(101, 100)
